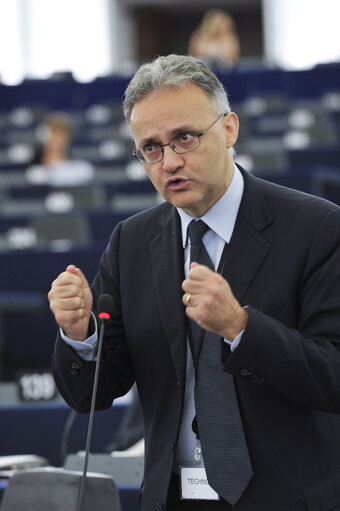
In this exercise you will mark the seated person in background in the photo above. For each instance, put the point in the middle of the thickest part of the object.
(51, 163)
(215, 39)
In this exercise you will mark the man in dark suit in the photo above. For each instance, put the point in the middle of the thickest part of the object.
(271, 294)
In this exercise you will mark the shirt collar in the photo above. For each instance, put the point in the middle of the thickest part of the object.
(221, 217)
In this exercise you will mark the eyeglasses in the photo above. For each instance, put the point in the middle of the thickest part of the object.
(181, 143)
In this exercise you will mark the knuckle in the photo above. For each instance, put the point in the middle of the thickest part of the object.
(76, 293)
(52, 305)
(78, 288)
(209, 299)
(213, 292)
(78, 301)
(73, 303)
(60, 279)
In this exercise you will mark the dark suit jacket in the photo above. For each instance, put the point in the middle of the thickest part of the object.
(284, 262)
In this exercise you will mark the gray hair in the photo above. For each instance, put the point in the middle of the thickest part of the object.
(174, 71)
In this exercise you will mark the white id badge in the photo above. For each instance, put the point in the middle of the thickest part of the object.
(194, 484)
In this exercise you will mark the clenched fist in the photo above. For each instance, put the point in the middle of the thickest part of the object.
(210, 302)
(71, 300)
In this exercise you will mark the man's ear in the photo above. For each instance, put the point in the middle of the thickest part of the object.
(231, 125)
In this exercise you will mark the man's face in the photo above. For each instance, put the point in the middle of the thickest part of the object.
(195, 180)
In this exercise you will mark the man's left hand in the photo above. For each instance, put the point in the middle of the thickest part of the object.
(210, 302)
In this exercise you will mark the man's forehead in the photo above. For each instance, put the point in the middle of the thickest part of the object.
(187, 93)
(171, 107)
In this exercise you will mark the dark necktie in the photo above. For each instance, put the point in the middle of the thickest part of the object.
(220, 429)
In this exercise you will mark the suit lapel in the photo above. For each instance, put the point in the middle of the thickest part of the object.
(246, 253)
(168, 271)
(247, 248)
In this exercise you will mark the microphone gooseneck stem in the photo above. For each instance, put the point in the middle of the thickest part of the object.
(92, 410)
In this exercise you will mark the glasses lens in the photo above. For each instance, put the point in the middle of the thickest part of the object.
(184, 142)
(150, 154)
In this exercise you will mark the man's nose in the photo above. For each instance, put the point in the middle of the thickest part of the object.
(171, 160)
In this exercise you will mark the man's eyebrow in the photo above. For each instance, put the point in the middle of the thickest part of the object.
(181, 129)
(185, 128)
(147, 141)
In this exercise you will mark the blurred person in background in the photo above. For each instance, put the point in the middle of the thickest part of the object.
(215, 40)
(51, 163)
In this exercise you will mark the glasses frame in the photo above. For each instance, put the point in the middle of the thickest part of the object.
(199, 135)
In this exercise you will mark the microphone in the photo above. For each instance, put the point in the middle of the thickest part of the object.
(105, 306)
(104, 309)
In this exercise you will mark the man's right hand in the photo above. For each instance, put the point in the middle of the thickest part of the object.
(71, 301)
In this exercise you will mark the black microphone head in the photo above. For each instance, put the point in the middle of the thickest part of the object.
(105, 306)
